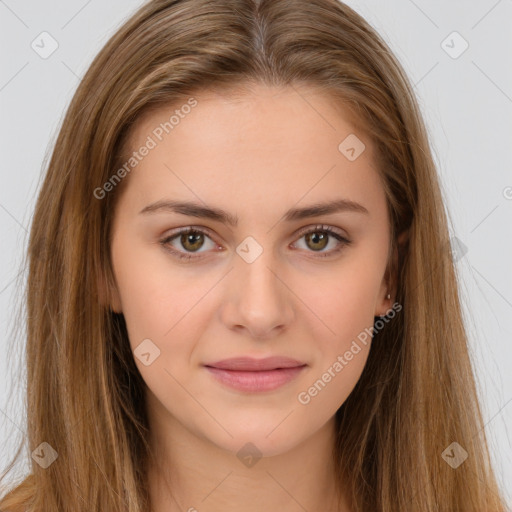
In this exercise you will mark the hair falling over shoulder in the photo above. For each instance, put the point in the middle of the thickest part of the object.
(417, 394)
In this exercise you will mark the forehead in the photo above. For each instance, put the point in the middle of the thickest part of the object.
(276, 115)
(246, 145)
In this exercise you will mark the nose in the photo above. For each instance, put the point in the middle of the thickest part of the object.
(258, 299)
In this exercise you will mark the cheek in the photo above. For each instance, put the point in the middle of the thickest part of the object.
(342, 334)
(340, 305)
(156, 298)
(344, 314)
(326, 392)
(166, 310)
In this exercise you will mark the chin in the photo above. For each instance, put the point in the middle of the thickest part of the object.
(265, 437)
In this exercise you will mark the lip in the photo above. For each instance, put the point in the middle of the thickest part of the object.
(256, 375)
(251, 364)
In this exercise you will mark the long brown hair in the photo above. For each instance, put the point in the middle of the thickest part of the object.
(417, 393)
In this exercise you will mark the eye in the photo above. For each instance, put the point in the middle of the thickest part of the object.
(192, 239)
(318, 237)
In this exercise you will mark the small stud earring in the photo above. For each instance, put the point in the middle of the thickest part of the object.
(388, 296)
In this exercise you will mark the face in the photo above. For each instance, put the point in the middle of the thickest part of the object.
(260, 273)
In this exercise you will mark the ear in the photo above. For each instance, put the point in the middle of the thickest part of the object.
(390, 281)
(109, 294)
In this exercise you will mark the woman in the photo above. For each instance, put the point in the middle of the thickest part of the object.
(241, 292)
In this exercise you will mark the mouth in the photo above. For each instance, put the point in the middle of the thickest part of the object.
(256, 375)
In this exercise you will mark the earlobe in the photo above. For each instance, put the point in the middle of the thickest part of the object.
(115, 302)
(385, 300)
(109, 296)
(387, 289)
(389, 286)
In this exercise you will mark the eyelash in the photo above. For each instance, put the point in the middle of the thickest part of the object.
(343, 242)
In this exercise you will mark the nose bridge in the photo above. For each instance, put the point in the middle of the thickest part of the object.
(259, 274)
(256, 268)
(260, 300)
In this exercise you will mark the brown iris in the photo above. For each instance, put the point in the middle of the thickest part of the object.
(192, 240)
(317, 238)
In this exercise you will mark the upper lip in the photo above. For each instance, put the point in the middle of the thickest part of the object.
(250, 364)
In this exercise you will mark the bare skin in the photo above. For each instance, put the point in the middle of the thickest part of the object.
(254, 156)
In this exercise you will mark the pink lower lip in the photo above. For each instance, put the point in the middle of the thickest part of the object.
(266, 380)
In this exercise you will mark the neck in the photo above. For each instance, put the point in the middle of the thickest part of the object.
(190, 473)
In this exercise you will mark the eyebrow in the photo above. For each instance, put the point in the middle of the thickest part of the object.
(198, 210)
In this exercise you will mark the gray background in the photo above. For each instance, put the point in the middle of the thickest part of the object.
(467, 105)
